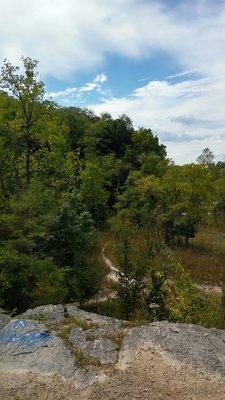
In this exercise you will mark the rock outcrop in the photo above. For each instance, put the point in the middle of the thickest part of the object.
(85, 348)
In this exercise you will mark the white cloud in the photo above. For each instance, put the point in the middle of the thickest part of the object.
(68, 35)
(70, 93)
(101, 78)
(182, 74)
(62, 93)
(187, 116)
(88, 87)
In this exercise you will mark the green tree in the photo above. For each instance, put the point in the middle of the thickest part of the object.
(188, 194)
(84, 280)
(132, 269)
(29, 92)
(71, 232)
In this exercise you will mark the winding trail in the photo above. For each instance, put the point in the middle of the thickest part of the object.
(113, 275)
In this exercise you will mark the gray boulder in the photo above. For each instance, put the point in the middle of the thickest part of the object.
(102, 349)
(27, 346)
(107, 330)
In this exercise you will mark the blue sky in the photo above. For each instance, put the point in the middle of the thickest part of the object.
(161, 62)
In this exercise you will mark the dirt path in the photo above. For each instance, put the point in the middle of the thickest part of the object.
(114, 273)
(209, 288)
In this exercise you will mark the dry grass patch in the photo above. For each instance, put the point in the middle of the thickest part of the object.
(205, 258)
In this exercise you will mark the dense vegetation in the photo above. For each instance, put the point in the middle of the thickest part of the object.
(69, 177)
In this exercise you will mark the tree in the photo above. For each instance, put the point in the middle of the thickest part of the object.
(206, 158)
(29, 92)
(132, 268)
(84, 280)
(219, 203)
(147, 150)
(71, 233)
(141, 203)
(187, 196)
(28, 275)
(92, 180)
(107, 136)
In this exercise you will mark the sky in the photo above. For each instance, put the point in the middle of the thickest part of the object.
(160, 62)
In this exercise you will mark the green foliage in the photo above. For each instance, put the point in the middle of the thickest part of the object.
(71, 232)
(132, 268)
(156, 299)
(92, 189)
(27, 280)
(64, 171)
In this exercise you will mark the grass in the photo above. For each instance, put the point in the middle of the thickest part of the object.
(205, 257)
(109, 307)
(38, 318)
(69, 323)
(117, 337)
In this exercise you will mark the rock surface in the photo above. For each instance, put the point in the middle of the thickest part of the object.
(27, 346)
(102, 349)
(77, 337)
(92, 318)
(49, 312)
(192, 344)
(4, 319)
(30, 347)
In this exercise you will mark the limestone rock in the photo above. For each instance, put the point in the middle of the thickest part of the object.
(48, 312)
(4, 319)
(107, 330)
(27, 346)
(92, 318)
(103, 349)
(191, 344)
(77, 337)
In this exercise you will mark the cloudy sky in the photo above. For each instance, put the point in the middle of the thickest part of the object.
(161, 62)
